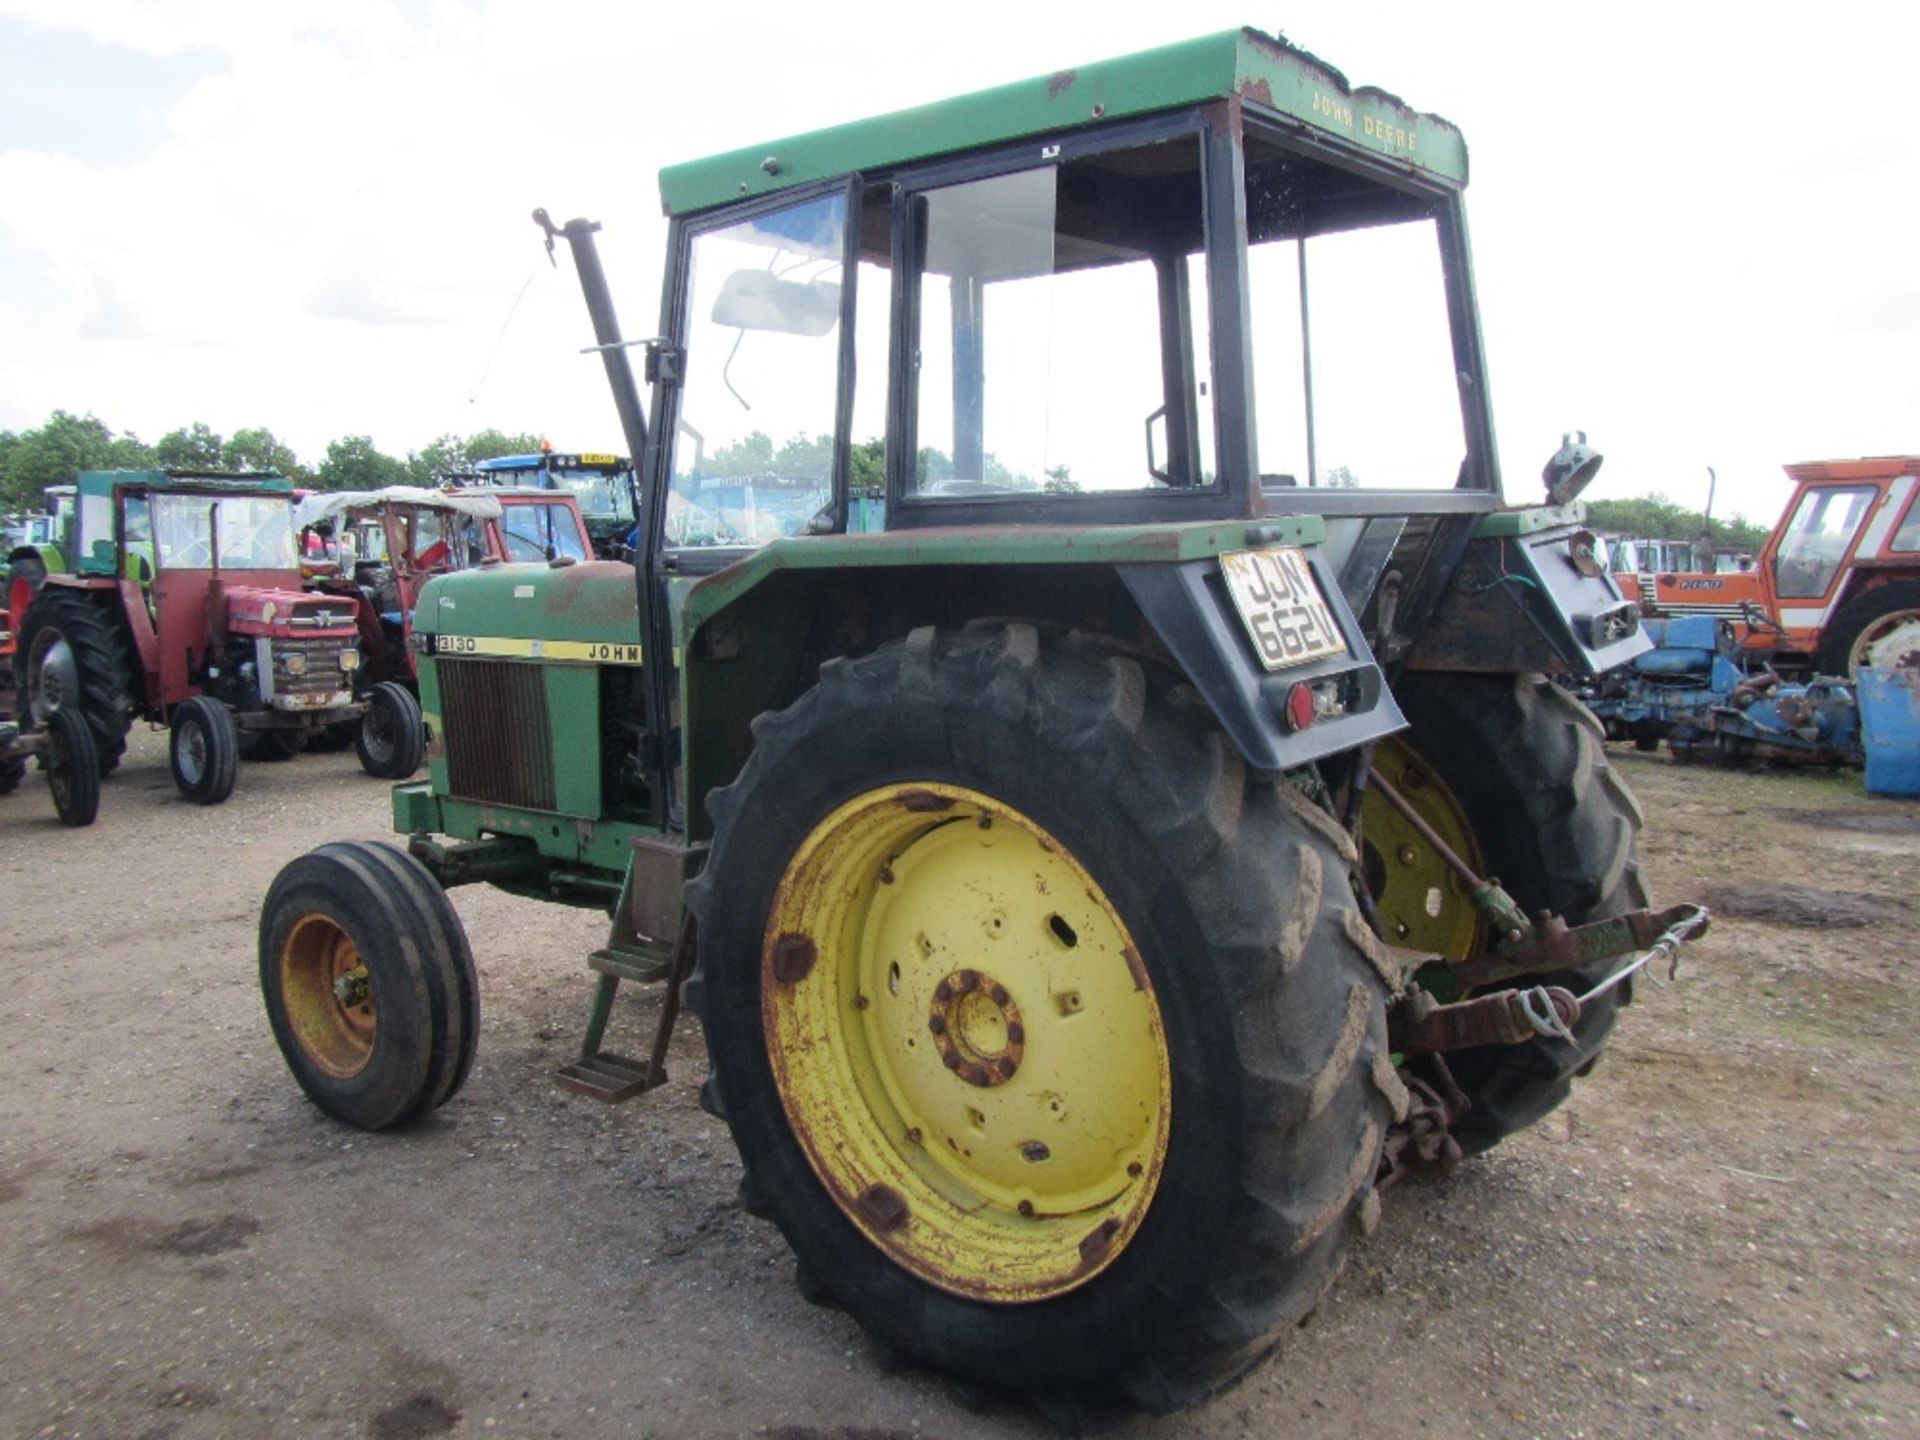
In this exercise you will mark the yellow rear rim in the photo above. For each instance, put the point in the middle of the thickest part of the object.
(328, 997)
(1422, 904)
(966, 1042)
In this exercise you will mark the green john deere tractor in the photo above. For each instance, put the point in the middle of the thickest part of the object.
(1081, 863)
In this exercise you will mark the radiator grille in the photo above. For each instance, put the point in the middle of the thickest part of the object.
(499, 746)
(317, 662)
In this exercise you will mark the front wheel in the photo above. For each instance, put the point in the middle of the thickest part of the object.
(1879, 628)
(73, 770)
(204, 750)
(1051, 1038)
(369, 983)
(393, 737)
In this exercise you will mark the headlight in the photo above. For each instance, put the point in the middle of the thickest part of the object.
(296, 664)
(349, 659)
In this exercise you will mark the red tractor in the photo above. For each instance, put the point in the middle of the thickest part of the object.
(185, 608)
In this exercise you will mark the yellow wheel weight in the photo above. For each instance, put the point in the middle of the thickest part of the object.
(966, 1042)
(1422, 904)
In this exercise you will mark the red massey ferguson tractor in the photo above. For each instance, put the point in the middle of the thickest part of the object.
(184, 608)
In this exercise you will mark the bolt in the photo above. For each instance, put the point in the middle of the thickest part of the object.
(969, 981)
(886, 875)
(1026, 1207)
(1134, 1170)
(1016, 1033)
(883, 1206)
(938, 1024)
(951, 1059)
(943, 992)
(351, 988)
(1407, 855)
(999, 993)
(913, 1135)
(1006, 1065)
(978, 1075)
(860, 1002)
(793, 958)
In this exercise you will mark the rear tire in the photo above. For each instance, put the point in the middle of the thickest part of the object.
(271, 746)
(1884, 619)
(1559, 829)
(398, 1039)
(71, 654)
(203, 750)
(1268, 988)
(73, 770)
(393, 738)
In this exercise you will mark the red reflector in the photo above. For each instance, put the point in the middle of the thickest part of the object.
(1300, 708)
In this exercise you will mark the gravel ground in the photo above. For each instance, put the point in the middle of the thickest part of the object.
(1716, 1237)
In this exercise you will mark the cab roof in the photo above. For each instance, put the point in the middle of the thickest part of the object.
(1266, 74)
(101, 482)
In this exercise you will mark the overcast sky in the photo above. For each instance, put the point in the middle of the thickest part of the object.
(1694, 225)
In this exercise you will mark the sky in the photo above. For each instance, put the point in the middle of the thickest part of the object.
(1693, 224)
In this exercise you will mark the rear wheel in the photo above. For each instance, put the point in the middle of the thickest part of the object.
(393, 737)
(1880, 628)
(1517, 766)
(1052, 1040)
(271, 745)
(203, 750)
(72, 656)
(73, 771)
(369, 983)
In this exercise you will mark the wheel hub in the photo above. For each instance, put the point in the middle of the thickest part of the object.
(328, 996)
(1889, 643)
(976, 1028)
(966, 1042)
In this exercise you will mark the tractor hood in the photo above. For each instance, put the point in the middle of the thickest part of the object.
(587, 612)
(288, 614)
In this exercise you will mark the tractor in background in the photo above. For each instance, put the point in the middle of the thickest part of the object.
(184, 608)
(1083, 881)
(601, 485)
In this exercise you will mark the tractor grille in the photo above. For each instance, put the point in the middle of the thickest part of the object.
(310, 668)
(498, 743)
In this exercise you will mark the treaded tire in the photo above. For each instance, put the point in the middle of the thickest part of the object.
(420, 975)
(102, 665)
(1559, 830)
(1844, 630)
(203, 750)
(73, 771)
(271, 746)
(392, 741)
(1271, 988)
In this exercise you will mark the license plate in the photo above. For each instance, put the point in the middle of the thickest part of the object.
(1280, 603)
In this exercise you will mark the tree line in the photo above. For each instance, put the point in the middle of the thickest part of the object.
(1655, 517)
(52, 454)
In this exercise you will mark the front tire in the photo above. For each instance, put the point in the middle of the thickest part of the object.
(1104, 1075)
(203, 750)
(369, 983)
(1527, 771)
(73, 770)
(1879, 628)
(393, 739)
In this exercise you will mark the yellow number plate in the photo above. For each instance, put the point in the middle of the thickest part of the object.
(1280, 603)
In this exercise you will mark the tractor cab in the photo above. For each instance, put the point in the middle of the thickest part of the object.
(601, 485)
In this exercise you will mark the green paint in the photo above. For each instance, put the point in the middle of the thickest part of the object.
(1009, 545)
(594, 602)
(1511, 524)
(1269, 76)
(603, 849)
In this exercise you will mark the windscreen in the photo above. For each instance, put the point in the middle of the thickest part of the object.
(254, 532)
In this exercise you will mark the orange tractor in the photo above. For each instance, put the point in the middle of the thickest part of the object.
(1837, 585)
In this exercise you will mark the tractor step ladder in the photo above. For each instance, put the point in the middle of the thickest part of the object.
(653, 881)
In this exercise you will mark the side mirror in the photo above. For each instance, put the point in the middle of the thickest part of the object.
(760, 300)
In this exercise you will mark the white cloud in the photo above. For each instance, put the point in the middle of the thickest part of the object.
(1672, 223)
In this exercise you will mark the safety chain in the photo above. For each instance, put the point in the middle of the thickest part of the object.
(1538, 1006)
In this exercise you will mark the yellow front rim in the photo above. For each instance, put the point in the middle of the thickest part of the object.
(966, 1042)
(328, 997)
(1423, 905)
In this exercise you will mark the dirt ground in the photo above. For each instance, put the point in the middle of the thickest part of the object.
(1716, 1238)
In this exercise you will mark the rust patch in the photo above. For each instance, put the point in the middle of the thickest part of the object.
(884, 1207)
(794, 957)
(922, 802)
(1257, 91)
(1060, 82)
(1137, 968)
(1096, 1243)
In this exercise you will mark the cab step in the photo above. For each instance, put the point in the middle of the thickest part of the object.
(605, 1077)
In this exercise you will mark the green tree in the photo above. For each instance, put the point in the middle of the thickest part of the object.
(492, 444)
(867, 466)
(1340, 478)
(260, 450)
(1655, 517)
(354, 463)
(752, 455)
(54, 453)
(194, 447)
